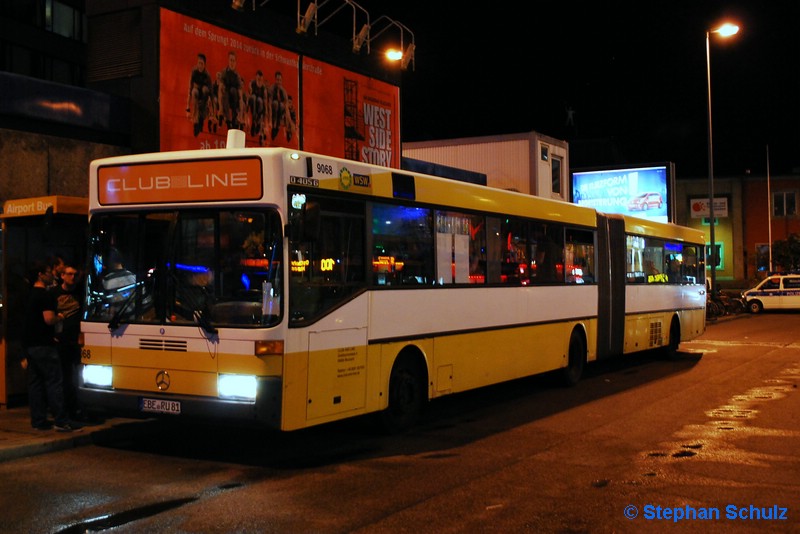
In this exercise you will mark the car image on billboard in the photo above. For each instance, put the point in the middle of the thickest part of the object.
(645, 201)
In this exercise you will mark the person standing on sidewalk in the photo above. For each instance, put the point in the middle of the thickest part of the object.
(45, 378)
(69, 296)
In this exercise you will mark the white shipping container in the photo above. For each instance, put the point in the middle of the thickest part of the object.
(527, 162)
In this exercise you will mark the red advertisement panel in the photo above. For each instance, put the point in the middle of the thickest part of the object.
(213, 79)
(351, 116)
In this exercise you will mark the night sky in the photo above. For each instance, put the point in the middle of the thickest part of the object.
(633, 75)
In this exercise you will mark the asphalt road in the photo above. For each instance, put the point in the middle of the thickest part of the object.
(707, 442)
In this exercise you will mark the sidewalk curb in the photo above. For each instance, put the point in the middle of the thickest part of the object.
(22, 444)
(726, 318)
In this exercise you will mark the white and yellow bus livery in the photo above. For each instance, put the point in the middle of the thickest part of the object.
(289, 289)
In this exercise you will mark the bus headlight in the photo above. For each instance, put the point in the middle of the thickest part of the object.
(240, 387)
(97, 375)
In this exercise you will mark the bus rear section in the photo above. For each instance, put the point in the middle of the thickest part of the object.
(654, 294)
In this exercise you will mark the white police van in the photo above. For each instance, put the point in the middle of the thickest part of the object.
(775, 292)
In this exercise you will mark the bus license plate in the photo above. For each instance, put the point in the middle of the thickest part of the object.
(160, 406)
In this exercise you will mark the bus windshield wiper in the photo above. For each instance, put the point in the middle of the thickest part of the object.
(198, 308)
(203, 321)
(113, 324)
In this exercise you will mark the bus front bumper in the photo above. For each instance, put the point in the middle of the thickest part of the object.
(264, 412)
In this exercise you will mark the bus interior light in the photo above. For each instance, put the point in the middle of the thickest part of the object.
(242, 387)
(97, 375)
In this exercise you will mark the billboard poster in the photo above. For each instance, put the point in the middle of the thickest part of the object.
(350, 116)
(643, 192)
(213, 79)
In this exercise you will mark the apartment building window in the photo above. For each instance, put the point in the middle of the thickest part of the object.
(784, 204)
(65, 20)
(26, 62)
(62, 17)
(762, 257)
(20, 60)
(34, 53)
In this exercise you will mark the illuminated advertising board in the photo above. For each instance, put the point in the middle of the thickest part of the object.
(180, 181)
(210, 82)
(640, 191)
(349, 115)
(213, 79)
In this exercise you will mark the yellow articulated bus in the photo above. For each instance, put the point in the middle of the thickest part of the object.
(289, 289)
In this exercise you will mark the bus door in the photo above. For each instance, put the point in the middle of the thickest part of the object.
(32, 229)
(327, 299)
(611, 285)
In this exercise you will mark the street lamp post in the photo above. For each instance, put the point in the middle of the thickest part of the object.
(726, 30)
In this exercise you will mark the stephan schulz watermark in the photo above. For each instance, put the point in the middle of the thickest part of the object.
(731, 512)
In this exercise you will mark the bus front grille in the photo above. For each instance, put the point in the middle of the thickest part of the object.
(173, 345)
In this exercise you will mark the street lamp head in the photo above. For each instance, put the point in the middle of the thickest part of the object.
(393, 54)
(726, 30)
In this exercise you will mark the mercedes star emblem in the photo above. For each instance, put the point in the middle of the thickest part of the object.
(162, 380)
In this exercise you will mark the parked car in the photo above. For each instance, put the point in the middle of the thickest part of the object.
(645, 201)
(775, 292)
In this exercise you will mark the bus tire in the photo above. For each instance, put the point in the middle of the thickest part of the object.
(576, 359)
(407, 394)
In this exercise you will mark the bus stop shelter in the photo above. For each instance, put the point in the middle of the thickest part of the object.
(37, 228)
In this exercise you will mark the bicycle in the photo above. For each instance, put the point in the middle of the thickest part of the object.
(719, 304)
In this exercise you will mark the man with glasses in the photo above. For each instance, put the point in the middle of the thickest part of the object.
(70, 294)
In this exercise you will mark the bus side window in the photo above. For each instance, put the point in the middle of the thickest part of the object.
(549, 258)
(654, 261)
(478, 250)
(460, 248)
(579, 258)
(515, 267)
(402, 245)
(691, 272)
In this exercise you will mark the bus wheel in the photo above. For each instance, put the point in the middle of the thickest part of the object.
(407, 396)
(571, 374)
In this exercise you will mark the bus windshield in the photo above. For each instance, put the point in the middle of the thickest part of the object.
(214, 268)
